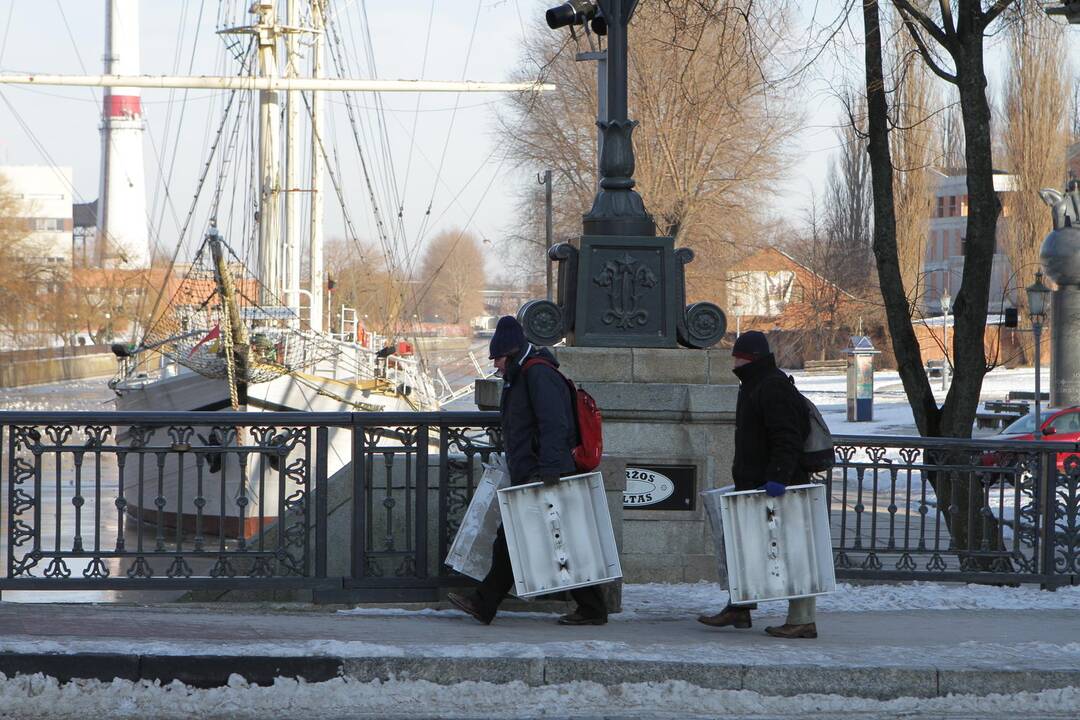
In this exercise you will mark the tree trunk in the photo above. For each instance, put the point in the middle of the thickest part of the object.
(970, 305)
(897, 312)
(960, 498)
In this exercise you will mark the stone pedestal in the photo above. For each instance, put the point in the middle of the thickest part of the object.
(1064, 358)
(667, 407)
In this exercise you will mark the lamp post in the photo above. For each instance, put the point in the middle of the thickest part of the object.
(946, 304)
(1037, 296)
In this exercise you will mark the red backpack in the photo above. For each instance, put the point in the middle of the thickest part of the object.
(590, 430)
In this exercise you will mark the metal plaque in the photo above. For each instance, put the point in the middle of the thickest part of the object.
(626, 292)
(774, 548)
(559, 537)
(660, 487)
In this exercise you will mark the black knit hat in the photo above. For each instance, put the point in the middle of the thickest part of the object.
(509, 338)
(751, 345)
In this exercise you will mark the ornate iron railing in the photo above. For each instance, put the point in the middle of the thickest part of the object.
(122, 501)
(949, 509)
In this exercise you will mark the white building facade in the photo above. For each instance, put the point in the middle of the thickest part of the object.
(943, 261)
(44, 194)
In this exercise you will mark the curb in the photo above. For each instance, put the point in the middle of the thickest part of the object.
(207, 671)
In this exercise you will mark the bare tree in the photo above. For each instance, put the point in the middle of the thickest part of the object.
(363, 282)
(950, 132)
(951, 43)
(847, 211)
(825, 311)
(1034, 138)
(912, 142)
(26, 279)
(712, 131)
(452, 276)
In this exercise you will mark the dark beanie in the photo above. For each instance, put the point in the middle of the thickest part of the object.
(751, 345)
(508, 339)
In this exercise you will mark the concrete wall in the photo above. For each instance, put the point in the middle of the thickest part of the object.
(36, 372)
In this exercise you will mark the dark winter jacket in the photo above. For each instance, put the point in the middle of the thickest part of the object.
(537, 420)
(771, 425)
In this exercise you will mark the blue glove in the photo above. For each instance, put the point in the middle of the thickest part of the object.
(775, 489)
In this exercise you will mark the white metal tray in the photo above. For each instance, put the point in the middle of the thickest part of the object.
(559, 537)
(470, 553)
(773, 548)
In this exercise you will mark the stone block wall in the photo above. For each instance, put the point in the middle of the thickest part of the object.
(668, 407)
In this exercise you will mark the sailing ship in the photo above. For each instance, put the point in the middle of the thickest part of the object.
(233, 338)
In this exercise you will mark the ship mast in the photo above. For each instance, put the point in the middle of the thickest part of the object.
(292, 165)
(315, 317)
(269, 163)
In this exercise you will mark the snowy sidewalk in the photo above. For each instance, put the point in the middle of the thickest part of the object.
(989, 640)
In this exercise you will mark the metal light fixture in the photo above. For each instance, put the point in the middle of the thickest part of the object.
(1038, 295)
(573, 12)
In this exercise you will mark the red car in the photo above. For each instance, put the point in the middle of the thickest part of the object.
(1058, 425)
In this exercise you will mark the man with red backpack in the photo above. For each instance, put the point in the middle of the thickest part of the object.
(540, 436)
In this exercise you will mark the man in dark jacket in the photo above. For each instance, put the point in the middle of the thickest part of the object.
(771, 425)
(539, 435)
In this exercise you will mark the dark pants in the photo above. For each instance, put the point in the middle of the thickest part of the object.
(500, 579)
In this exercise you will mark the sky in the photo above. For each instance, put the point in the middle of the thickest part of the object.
(447, 159)
(474, 189)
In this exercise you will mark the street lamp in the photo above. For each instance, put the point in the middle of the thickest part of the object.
(1037, 297)
(946, 303)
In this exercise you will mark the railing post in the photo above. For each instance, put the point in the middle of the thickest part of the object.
(322, 442)
(444, 489)
(1045, 488)
(422, 501)
(359, 494)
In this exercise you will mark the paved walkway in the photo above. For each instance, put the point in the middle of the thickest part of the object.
(863, 654)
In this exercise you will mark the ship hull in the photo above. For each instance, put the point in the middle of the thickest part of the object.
(234, 492)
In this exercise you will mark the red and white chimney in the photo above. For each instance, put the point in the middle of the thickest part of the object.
(123, 239)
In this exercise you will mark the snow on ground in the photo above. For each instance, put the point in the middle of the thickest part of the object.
(658, 601)
(39, 697)
(892, 415)
(641, 601)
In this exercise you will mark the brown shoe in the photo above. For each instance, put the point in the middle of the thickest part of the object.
(467, 606)
(788, 631)
(736, 617)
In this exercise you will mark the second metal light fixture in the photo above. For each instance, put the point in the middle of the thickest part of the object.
(577, 12)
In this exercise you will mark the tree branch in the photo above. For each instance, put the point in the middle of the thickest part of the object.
(909, 11)
(996, 9)
(925, 52)
(947, 18)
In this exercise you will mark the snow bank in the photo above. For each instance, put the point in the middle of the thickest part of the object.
(38, 697)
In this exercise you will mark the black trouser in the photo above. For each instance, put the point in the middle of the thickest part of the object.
(500, 579)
